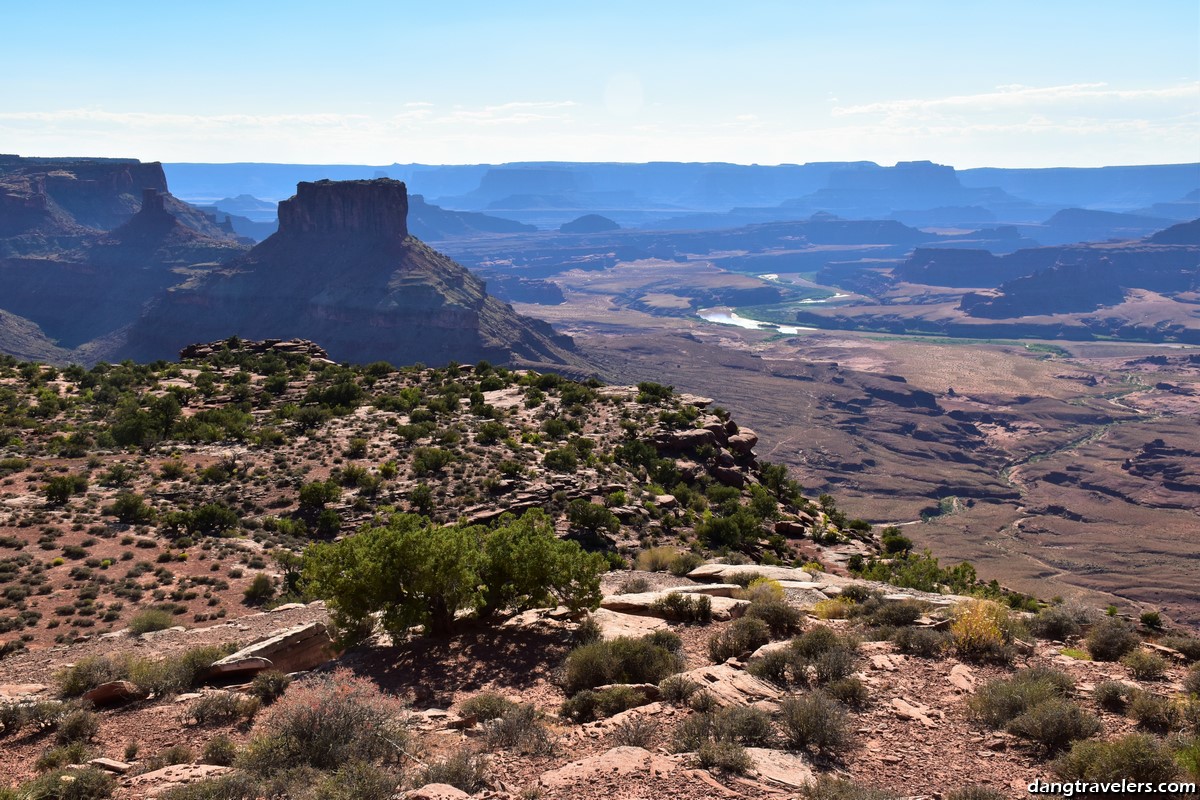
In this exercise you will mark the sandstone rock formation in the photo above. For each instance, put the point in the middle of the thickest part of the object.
(343, 271)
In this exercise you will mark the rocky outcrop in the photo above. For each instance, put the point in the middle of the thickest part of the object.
(625, 763)
(376, 208)
(342, 271)
(290, 347)
(292, 650)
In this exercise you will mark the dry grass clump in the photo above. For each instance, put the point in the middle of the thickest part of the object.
(983, 631)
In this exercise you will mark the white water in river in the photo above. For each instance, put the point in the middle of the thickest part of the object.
(731, 318)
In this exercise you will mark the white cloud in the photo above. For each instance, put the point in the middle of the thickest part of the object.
(1015, 96)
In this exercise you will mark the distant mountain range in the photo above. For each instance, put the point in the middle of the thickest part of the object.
(666, 195)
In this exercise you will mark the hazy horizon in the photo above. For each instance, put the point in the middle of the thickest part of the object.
(1076, 84)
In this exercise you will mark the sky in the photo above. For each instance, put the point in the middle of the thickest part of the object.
(968, 83)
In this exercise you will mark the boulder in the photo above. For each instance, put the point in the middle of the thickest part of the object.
(962, 679)
(665, 501)
(110, 765)
(114, 692)
(743, 441)
(613, 624)
(723, 608)
(623, 763)
(792, 529)
(720, 573)
(299, 648)
(21, 691)
(916, 712)
(728, 476)
(789, 770)
(731, 686)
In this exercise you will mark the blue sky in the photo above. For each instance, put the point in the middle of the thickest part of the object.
(965, 83)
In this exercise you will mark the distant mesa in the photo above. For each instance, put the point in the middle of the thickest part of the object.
(589, 223)
(344, 271)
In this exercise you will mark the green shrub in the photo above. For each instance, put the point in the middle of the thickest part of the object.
(233, 786)
(1191, 681)
(849, 691)
(357, 780)
(833, 665)
(743, 635)
(656, 559)
(1144, 665)
(88, 673)
(1153, 712)
(743, 724)
(975, 793)
(923, 642)
(88, 783)
(897, 615)
(327, 722)
(130, 509)
(634, 585)
(174, 673)
(63, 755)
(1055, 623)
(771, 666)
(619, 660)
(445, 570)
(636, 731)
(269, 686)
(519, 729)
(814, 722)
(151, 619)
(12, 718)
(1000, 701)
(176, 754)
(677, 690)
(1054, 724)
(588, 631)
(1187, 646)
(1113, 695)
(260, 590)
(1111, 638)
(590, 705)
(725, 756)
(781, 618)
(684, 563)
(485, 706)
(683, 607)
(827, 787)
(77, 726)
(219, 750)
(1135, 757)
(221, 707)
